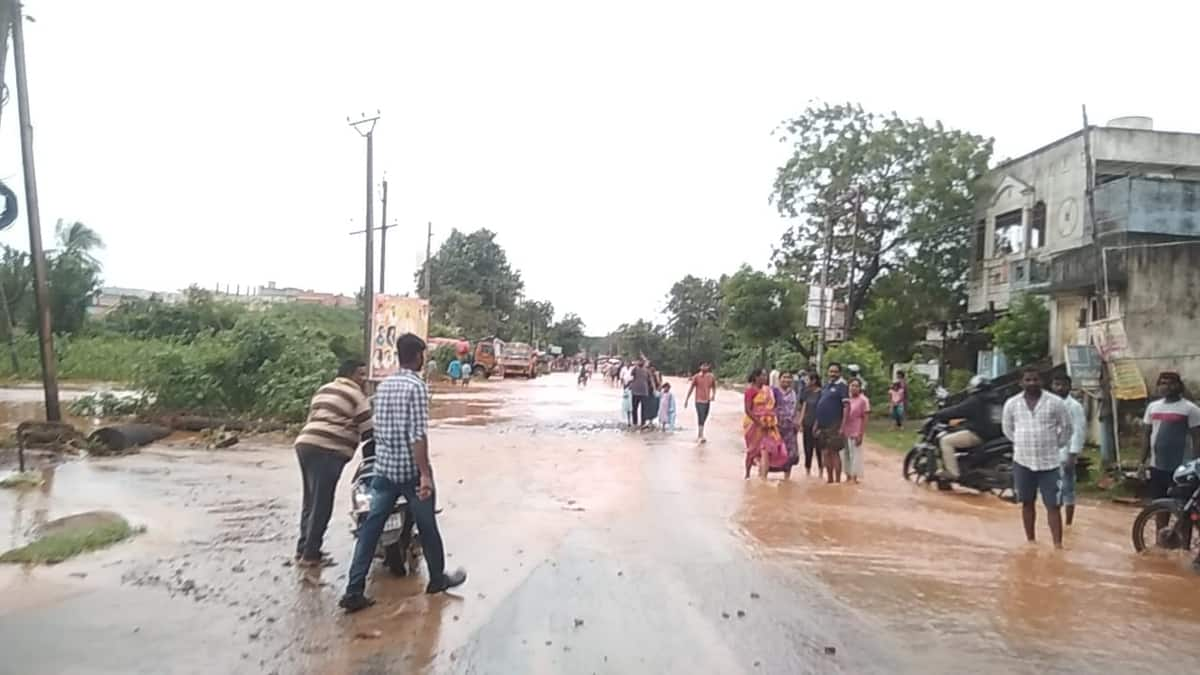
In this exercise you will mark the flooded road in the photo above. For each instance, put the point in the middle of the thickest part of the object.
(590, 550)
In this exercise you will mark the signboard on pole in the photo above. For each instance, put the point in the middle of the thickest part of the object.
(1109, 337)
(835, 313)
(393, 316)
(1127, 381)
(1084, 366)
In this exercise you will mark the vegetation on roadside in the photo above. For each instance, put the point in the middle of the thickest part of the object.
(69, 542)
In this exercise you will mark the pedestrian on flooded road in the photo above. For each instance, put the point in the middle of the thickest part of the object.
(402, 468)
(704, 386)
(627, 405)
(827, 426)
(639, 389)
(788, 414)
(1069, 453)
(811, 394)
(764, 445)
(339, 418)
(650, 407)
(666, 408)
(1169, 421)
(1038, 425)
(466, 373)
(454, 370)
(854, 427)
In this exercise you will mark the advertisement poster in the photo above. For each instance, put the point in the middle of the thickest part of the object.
(1127, 382)
(392, 317)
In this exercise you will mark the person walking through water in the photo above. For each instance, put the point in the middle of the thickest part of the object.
(854, 426)
(704, 386)
(764, 445)
(808, 421)
(827, 426)
(402, 468)
(666, 408)
(1038, 425)
(1061, 386)
(639, 390)
(787, 413)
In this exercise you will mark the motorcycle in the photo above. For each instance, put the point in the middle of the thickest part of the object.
(1173, 517)
(397, 545)
(987, 468)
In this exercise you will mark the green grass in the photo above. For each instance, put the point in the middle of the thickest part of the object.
(57, 547)
(29, 479)
(882, 432)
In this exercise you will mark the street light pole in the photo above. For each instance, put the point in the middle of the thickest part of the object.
(383, 228)
(366, 128)
(36, 254)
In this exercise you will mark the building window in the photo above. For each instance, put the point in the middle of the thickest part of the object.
(980, 239)
(1008, 234)
(1037, 226)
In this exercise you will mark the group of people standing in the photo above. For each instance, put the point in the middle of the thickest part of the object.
(827, 421)
(646, 398)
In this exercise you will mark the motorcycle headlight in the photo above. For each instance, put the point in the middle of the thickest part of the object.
(1187, 469)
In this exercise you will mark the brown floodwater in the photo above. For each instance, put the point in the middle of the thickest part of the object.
(589, 549)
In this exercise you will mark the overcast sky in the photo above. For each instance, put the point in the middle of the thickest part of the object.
(207, 141)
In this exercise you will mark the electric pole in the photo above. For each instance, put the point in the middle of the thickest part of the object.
(383, 228)
(824, 281)
(36, 255)
(428, 261)
(366, 128)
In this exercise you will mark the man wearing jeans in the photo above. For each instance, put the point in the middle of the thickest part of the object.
(401, 469)
(1068, 454)
(1038, 425)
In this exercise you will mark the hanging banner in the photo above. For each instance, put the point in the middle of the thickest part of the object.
(1127, 381)
(1084, 366)
(1109, 337)
(392, 317)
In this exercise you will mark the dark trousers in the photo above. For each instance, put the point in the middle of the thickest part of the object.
(639, 406)
(384, 494)
(810, 448)
(320, 469)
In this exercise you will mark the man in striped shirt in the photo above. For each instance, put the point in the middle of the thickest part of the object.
(339, 418)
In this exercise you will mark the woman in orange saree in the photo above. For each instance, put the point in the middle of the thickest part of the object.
(764, 444)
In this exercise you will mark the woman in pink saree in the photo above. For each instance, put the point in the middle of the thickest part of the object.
(764, 444)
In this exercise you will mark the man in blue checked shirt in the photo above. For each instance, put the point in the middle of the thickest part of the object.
(401, 468)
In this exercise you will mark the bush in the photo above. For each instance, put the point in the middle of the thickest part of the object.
(870, 360)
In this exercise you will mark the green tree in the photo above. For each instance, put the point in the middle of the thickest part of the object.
(73, 277)
(693, 311)
(640, 338)
(568, 334)
(1023, 333)
(894, 319)
(529, 322)
(900, 194)
(759, 309)
(472, 263)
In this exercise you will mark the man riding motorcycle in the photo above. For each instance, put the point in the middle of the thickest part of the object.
(980, 424)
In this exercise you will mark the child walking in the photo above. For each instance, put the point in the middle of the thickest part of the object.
(897, 395)
(854, 426)
(666, 408)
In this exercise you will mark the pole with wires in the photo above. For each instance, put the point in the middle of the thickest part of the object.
(365, 126)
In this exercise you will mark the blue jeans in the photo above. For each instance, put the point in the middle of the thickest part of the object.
(384, 494)
(1066, 484)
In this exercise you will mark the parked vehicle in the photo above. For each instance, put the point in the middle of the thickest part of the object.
(987, 468)
(516, 358)
(1171, 521)
(486, 360)
(398, 545)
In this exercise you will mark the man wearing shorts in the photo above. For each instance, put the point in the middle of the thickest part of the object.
(704, 386)
(828, 426)
(1038, 424)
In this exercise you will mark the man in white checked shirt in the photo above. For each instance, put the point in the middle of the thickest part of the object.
(401, 468)
(1038, 424)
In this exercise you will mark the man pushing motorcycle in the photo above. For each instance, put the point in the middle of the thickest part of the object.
(980, 425)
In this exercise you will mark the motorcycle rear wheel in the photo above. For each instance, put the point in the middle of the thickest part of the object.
(1177, 537)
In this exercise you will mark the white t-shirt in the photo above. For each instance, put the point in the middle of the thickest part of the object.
(1170, 422)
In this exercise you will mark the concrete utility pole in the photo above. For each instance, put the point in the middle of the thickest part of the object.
(36, 255)
(824, 281)
(429, 261)
(858, 198)
(383, 228)
(366, 128)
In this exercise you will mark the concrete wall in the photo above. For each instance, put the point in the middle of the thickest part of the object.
(1162, 310)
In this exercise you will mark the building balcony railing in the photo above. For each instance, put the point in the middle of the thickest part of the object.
(1148, 206)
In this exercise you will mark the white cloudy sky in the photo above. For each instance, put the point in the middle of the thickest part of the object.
(207, 141)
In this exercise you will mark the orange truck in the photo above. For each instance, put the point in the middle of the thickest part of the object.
(497, 357)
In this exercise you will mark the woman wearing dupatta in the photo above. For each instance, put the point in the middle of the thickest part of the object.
(764, 444)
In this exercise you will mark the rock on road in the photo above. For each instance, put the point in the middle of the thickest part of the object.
(590, 550)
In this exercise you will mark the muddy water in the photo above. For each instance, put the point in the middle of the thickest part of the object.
(589, 549)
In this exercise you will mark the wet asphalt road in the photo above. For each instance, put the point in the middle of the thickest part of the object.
(590, 550)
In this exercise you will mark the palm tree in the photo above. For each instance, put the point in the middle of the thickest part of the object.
(78, 240)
